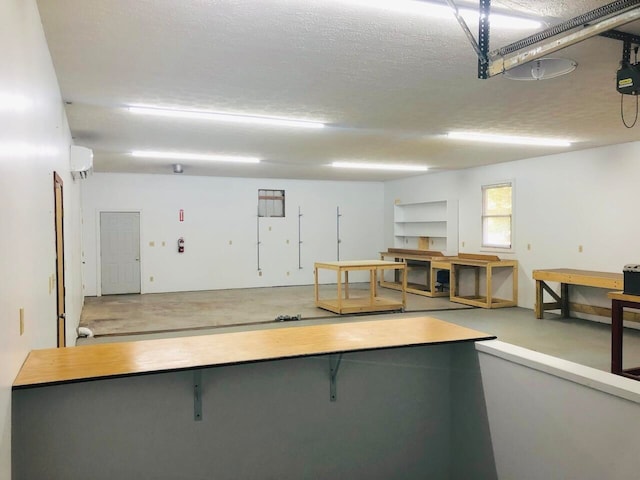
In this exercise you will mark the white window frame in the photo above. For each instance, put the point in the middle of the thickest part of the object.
(497, 248)
(271, 202)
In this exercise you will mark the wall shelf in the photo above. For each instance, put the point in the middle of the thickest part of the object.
(427, 226)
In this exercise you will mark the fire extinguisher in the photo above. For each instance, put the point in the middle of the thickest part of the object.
(181, 245)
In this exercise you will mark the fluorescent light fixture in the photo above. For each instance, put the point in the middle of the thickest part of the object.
(508, 139)
(440, 10)
(223, 117)
(380, 166)
(193, 156)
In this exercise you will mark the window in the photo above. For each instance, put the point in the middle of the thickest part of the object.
(271, 203)
(497, 215)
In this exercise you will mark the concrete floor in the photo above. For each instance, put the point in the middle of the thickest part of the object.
(159, 312)
(581, 341)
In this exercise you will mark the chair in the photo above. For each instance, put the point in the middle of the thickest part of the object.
(442, 281)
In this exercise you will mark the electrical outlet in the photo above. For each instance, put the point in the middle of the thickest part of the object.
(21, 321)
(152, 244)
(151, 279)
(579, 248)
(287, 274)
(230, 242)
(287, 241)
(164, 243)
(463, 244)
(528, 246)
(259, 273)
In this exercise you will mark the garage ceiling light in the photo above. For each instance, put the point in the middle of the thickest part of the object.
(509, 139)
(193, 156)
(439, 10)
(223, 117)
(380, 166)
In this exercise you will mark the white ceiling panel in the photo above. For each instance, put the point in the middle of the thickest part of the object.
(388, 85)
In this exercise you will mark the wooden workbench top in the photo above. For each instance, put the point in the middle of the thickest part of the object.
(358, 263)
(92, 362)
(626, 297)
(587, 278)
(476, 262)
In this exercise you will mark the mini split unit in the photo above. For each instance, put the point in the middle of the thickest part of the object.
(80, 161)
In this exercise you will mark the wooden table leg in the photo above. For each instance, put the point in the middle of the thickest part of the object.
(315, 286)
(539, 299)
(372, 286)
(404, 286)
(564, 294)
(476, 270)
(616, 336)
(339, 291)
(489, 272)
(346, 284)
(375, 281)
(453, 281)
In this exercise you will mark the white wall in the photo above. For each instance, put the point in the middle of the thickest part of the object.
(561, 201)
(218, 211)
(550, 418)
(34, 141)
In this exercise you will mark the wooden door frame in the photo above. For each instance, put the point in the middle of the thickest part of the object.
(61, 321)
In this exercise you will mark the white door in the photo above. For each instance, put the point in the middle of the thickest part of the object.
(120, 252)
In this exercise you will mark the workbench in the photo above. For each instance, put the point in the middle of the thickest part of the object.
(570, 276)
(343, 302)
(620, 301)
(429, 262)
(486, 264)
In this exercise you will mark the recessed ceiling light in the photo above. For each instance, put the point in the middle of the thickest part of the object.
(193, 156)
(436, 10)
(223, 117)
(509, 139)
(380, 166)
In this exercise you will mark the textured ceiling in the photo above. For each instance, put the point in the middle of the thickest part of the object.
(389, 85)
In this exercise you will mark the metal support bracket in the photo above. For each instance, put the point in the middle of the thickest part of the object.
(299, 239)
(484, 14)
(482, 55)
(197, 395)
(338, 240)
(258, 242)
(334, 366)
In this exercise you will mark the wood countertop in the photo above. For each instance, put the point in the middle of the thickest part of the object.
(586, 278)
(93, 362)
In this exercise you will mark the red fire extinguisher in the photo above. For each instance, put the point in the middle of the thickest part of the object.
(181, 245)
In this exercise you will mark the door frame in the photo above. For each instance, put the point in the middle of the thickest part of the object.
(58, 221)
(99, 251)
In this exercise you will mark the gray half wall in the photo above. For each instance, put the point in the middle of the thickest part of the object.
(392, 419)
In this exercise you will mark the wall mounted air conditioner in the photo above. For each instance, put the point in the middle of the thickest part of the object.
(80, 160)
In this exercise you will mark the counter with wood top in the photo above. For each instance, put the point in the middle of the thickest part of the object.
(92, 362)
(272, 403)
